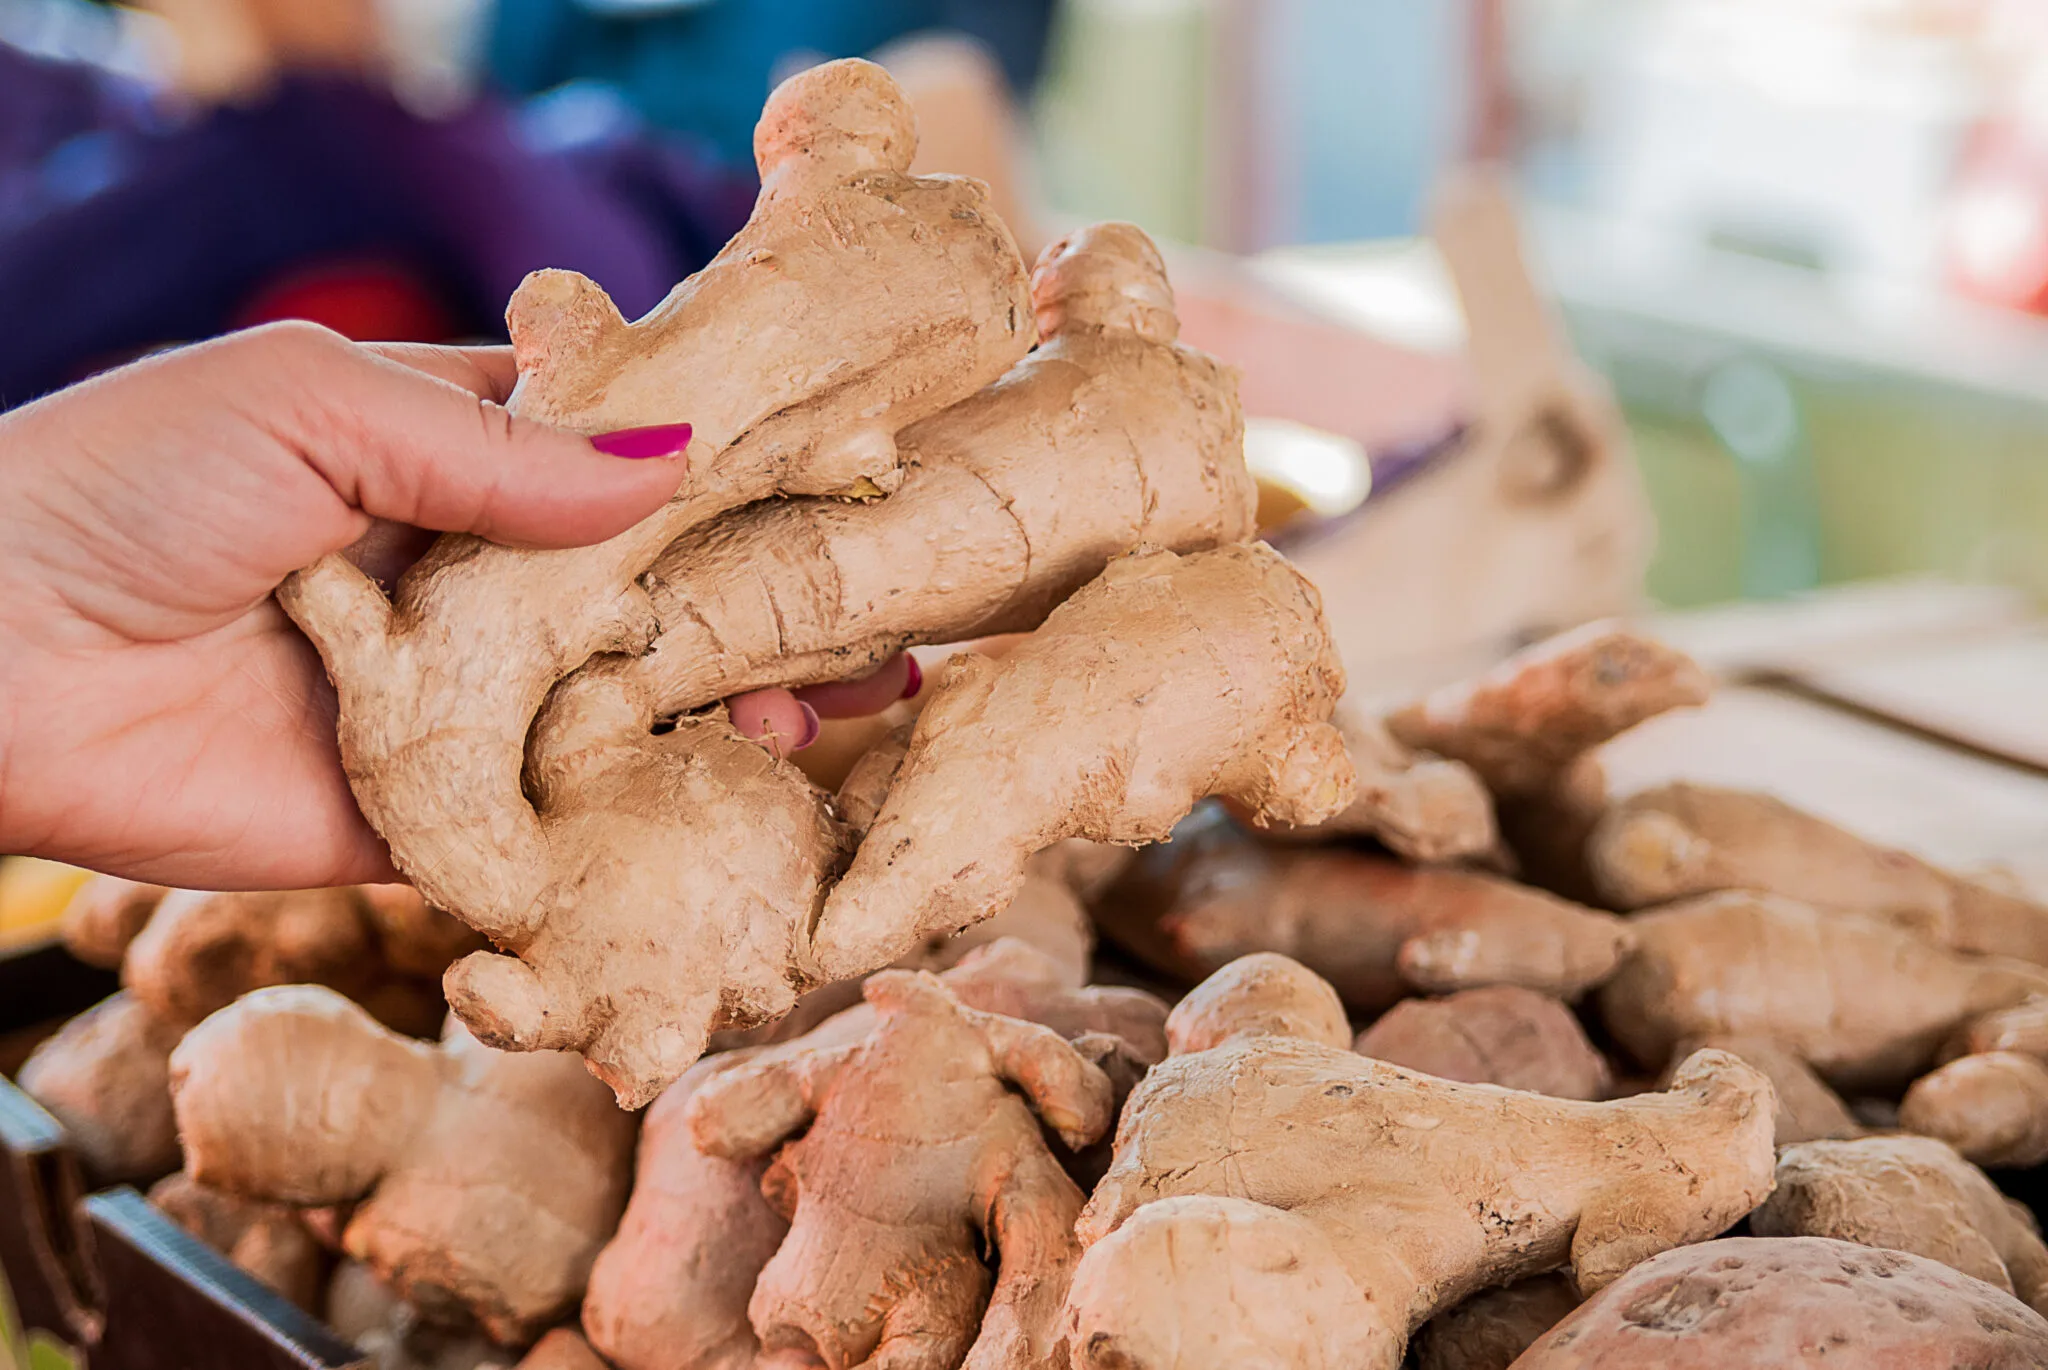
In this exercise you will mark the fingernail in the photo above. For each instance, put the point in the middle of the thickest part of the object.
(655, 440)
(913, 679)
(811, 727)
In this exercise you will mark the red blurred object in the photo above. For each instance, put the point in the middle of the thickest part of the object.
(1997, 230)
(365, 301)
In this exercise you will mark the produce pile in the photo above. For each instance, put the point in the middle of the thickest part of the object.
(1428, 1048)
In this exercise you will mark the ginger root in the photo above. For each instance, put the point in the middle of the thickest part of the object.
(1992, 1107)
(1908, 1194)
(1684, 839)
(857, 300)
(105, 1076)
(1524, 724)
(1865, 1003)
(1422, 808)
(487, 1181)
(105, 916)
(670, 1291)
(1500, 1035)
(1807, 1109)
(1376, 929)
(1165, 680)
(918, 1156)
(266, 1240)
(1488, 1330)
(1793, 1303)
(1279, 1200)
(1108, 438)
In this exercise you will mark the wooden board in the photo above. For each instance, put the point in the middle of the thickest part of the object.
(1988, 693)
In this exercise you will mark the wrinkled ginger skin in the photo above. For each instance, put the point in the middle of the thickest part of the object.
(1490, 1329)
(1992, 1107)
(487, 1181)
(857, 300)
(105, 1076)
(1375, 928)
(105, 916)
(1794, 1303)
(1865, 1003)
(1807, 1109)
(920, 1153)
(1388, 1193)
(1422, 808)
(265, 1240)
(1907, 1194)
(1164, 680)
(1498, 1035)
(1108, 438)
(691, 865)
(1523, 724)
(1684, 839)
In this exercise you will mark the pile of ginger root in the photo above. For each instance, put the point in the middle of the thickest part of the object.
(1406, 1041)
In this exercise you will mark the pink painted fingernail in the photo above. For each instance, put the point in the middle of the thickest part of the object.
(913, 679)
(811, 727)
(655, 440)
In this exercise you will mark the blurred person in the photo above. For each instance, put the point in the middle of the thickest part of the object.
(160, 717)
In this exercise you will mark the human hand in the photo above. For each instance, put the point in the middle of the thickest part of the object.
(160, 718)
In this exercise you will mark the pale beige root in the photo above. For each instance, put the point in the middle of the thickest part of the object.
(1992, 1107)
(1422, 1191)
(1261, 995)
(856, 301)
(1499, 1035)
(389, 1331)
(487, 1180)
(1686, 839)
(670, 1290)
(689, 866)
(106, 1077)
(1487, 1331)
(2022, 1028)
(922, 1150)
(1377, 929)
(1865, 1003)
(562, 1349)
(1794, 1303)
(416, 939)
(1807, 1109)
(105, 916)
(1108, 438)
(1164, 680)
(201, 950)
(1907, 1194)
(266, 1240)
(1421, 807)
(1523, 724)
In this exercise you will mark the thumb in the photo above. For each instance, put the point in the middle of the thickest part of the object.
(398, 443)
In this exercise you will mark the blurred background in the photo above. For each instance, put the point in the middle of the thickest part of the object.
(1804, 241)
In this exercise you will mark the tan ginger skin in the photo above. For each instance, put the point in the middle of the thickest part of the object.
(1277, 1199)
(1376, 929)
(856, 301)
(1420, 807)
(1490, 1329)
(266, 1240)
(1499, 1035)
(1865, 1003)
(1684, 839)
(1522, 725)
(921, 1152)
(1807, 1109)
(484, 1182)
(1108, 438)
(1992, 1107)
(1165, 680)
(105, 1076)
(1794, 1303)
(670, 1291)
(1908, 1194)
(105, 916)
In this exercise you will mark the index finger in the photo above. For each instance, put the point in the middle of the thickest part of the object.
(489, 373)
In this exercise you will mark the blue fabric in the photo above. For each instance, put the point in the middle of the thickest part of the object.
(704, 68)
